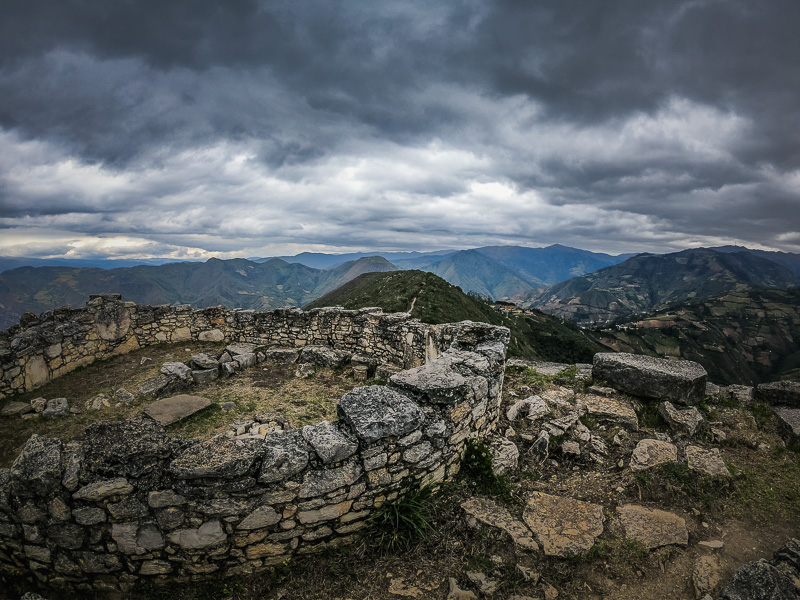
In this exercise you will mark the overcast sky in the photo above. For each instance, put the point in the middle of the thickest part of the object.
(198, 128)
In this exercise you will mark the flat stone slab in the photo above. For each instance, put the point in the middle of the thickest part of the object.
(651, 453)
(16, 408)
(612, 409)
(706, 461)
(176, 408)
(240, 348)
(488, 512)
(679, 381)
(789, 418)
(564, 526)
(654, 528)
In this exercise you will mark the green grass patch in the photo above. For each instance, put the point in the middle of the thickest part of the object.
(649, 418)
(762, 413)
(768, 490)
(398, 525)
(674, 482)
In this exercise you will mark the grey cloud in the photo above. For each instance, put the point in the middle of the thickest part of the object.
(638, 125)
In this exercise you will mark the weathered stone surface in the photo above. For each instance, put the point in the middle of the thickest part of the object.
(789, 419)
(208, 534)
(158, 385)
(651, 453)
(612, 409)
(285, 454)
(316, 483)
(133, 447)
(37, 470)
(67, 535)
(175, 408)
(219, 457)
(707, 461)
(157, 567)
(263, 516)
(92, 562)
(240, 348)
(743, 394)
(99, 490)
(89, 515)
(280, 355)
(245, 361)
(330, 441)
(688, 420)
(127, 509)
(418, 452)
(779, 392)
(679, 381)
(705, 575)
(212, 335)
(494, 515)
(56, 407)
(177, 369)
(505, 456)
(532, 407)
(201, 376)
(326, 513)
(456, 593)
(376, 412)
(304, 370)
(435, 382)
(164, 498)
(760, 580)
(16, 408)
(324, 356)
(654, 528)
(564, 526)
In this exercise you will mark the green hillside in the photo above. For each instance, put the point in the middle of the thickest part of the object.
(236, 283)
(741, 337)
(647, 282)
(432, 300)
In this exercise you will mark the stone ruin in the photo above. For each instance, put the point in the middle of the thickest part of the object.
(131, 502)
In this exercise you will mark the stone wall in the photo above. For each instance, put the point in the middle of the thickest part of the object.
(42, 348)
(130, 502)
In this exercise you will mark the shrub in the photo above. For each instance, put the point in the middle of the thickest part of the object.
(476, 466)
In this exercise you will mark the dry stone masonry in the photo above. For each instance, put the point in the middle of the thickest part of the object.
(131, 502)
(43, 348)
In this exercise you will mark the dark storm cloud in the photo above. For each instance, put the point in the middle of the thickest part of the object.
(617, 125)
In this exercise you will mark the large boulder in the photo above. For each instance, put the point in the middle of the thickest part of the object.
(779, 392)
(435, 382)
(324, 356)
(678, 381)
(376, 412)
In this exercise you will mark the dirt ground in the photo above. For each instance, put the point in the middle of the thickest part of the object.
(264, 388)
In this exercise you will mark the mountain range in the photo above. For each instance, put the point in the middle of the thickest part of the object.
(235, 283)
(648, 281)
